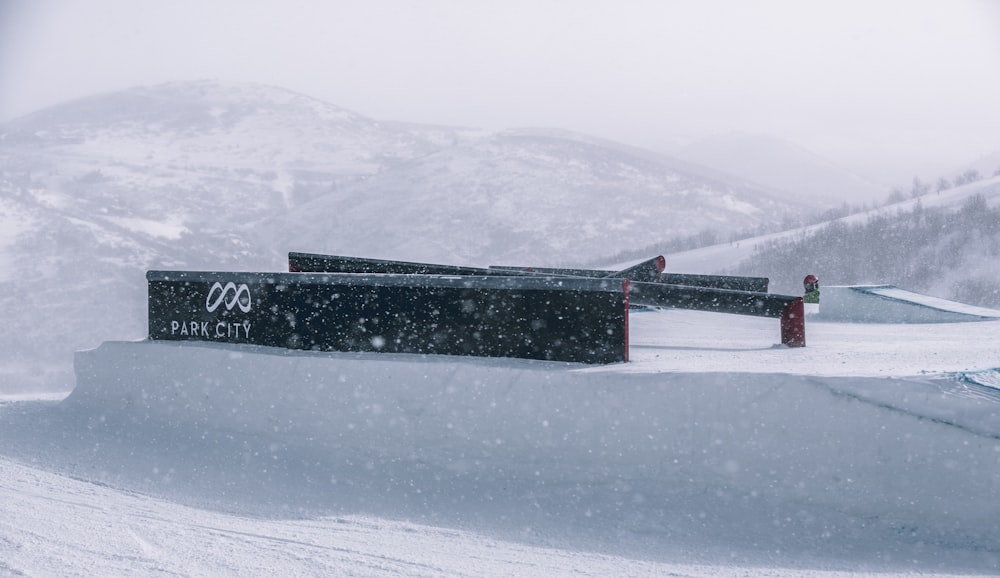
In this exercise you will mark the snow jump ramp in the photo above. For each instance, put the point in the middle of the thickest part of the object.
(729, 454)
(884, 456)
(890, 304)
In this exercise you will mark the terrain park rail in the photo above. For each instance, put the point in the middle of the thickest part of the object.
(651, 270)
(332, 303)
(649, 286)
(559, 319)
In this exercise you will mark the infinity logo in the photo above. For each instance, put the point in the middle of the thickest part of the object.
(239, 293)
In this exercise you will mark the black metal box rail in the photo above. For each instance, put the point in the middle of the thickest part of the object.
(650, 286)
(788, 308)
(561, 319)
(314, 263)
(648, 271)
(648, 274)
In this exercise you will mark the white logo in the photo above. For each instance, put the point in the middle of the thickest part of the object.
(239, 293)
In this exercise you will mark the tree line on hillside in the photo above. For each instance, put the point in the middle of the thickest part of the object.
(951, 253)
(921, 188)
(708, 237)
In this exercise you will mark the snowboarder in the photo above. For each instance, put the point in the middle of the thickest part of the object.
(811, 286)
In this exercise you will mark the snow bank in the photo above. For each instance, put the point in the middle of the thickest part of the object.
(889, 304)
(826, 465)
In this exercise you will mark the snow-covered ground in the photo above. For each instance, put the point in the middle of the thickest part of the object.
(715, 452)
(689, 341)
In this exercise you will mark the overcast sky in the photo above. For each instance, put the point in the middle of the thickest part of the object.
(890, 88)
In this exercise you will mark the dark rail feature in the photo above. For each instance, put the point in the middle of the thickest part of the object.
(788, 308)
(651, 285)
(559, 319)
(647, 272)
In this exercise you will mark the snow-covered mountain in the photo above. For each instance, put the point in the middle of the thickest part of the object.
(782, 165)
(212, 158)
(203, 155)
(209, 175)
(535, 196)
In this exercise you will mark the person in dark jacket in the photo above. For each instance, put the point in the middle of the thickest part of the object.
(811, 286)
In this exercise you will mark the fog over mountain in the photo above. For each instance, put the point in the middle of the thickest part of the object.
(986, 166)
(783, 165)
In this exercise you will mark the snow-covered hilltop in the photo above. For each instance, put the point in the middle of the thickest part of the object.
(537, 197)
(214, 157)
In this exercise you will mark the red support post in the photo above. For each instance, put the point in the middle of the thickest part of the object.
(626, 285)
(793, 324)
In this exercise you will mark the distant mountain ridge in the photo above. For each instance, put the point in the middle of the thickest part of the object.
(527, 195)
(261, 151)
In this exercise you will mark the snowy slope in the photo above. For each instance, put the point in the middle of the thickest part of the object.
(50, 521)
(727, 256)
(144, 536)
(714, 453)
(218, 126)
(535, 196)
(216, 159)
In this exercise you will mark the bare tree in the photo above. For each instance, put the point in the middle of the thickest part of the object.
(919, 188)
(895, 196)
(969, 176)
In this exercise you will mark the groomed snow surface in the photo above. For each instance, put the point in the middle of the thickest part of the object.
(714, 452)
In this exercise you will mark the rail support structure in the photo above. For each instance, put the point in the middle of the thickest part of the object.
(793, 324)
(787, 308)
(649, 286)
